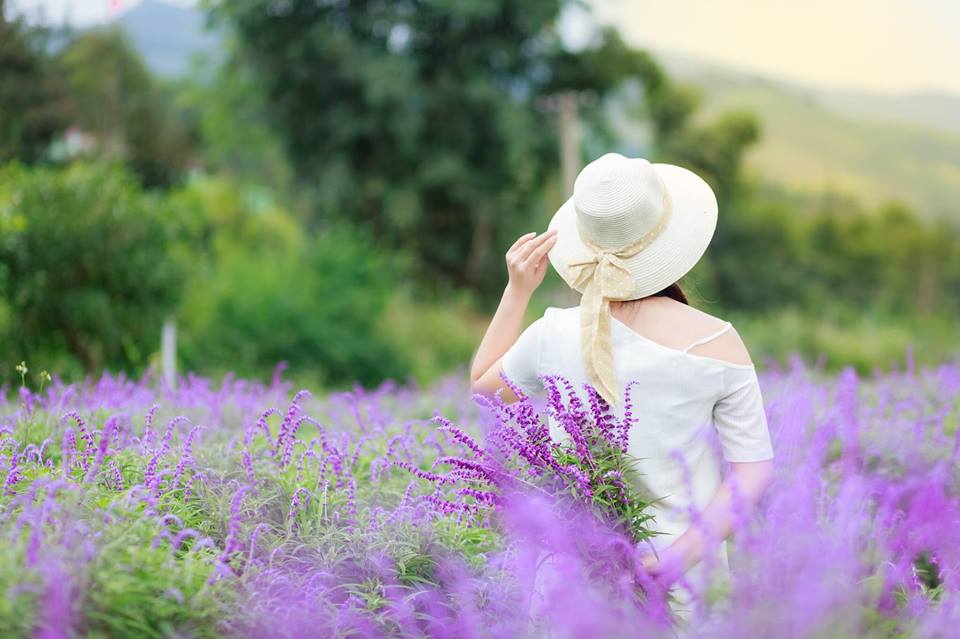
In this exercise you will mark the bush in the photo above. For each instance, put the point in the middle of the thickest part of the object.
(86, 273)
(435, 337)
(314, 302)
(842, 337)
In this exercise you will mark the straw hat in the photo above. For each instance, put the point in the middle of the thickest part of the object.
(630, 230)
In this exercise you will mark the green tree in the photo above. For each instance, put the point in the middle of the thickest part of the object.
(422, 120)
(603, 67)
(415, 119)
(131, 117)
(33, 108)
(237, 139)
(715, 150)
(86, 266)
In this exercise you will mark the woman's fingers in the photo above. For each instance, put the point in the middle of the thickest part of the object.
(526, 259)
(520, 241)
(527, 249)
(538, 253)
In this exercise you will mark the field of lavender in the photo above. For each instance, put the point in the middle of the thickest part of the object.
(130, 509)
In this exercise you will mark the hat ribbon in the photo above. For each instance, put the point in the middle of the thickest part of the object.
(604, 275)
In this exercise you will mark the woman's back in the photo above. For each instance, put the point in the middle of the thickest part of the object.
(670, 355)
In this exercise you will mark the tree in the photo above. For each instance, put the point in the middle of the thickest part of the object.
(415, 119)
(715, 150)
(116, 100)
(420, 119)
(33, 108)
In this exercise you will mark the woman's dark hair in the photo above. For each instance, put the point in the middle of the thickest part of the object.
(674, 292)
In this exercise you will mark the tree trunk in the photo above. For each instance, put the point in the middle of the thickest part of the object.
(479, 247)
(569, 140)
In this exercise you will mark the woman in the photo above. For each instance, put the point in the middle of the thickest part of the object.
(631, 230)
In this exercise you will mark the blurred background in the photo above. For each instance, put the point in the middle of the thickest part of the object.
(230, 184)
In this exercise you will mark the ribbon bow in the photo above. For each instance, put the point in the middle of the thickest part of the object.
(602, 276)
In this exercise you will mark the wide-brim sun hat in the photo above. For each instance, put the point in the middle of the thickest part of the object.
(631, 229)
(622, 199)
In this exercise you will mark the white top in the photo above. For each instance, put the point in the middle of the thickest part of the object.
(679, 398)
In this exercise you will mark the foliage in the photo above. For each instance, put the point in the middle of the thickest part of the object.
(443, 153)
(425, 126)
(270, 292)
(88, 267)
(236, 140)
(33, 104)
(843, 337)
(435, 336)
(129, 115)
(603, 67)
(775, 255)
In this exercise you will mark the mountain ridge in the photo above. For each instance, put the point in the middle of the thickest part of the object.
(809, 142)
(168, 36)
(926, 108)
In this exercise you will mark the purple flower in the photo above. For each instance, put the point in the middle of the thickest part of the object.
(301, 498)
(231, 544)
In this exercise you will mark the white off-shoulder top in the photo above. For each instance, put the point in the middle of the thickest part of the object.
(679, 398)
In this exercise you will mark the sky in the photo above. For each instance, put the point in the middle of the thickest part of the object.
(886, 45)
(82, 13)
(881, 45)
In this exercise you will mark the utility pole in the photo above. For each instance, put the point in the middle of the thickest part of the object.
(168, 353)
(569, 139)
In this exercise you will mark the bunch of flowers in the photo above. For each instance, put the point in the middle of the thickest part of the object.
(584, 464)
(565, 503)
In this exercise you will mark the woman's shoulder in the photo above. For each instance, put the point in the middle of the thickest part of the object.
(672, 324)
(699, 333)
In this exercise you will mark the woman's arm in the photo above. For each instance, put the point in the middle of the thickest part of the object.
(751, 479)
(526, 266)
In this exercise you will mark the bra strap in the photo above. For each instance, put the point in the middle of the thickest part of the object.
(700, 342)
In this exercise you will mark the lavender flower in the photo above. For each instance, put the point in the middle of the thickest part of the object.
(301, 499)
(493, 529)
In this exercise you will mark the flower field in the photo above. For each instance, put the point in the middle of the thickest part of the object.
(242, 509)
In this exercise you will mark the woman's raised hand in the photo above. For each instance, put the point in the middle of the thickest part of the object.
(526, 264)
(527, 260)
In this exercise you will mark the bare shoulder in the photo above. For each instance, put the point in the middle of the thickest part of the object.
(681, 325)
(728, 347)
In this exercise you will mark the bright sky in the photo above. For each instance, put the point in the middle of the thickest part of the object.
(81, 13)
(890, 45)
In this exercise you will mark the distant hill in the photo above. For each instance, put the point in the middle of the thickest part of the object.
(168, 36)
(878, 147)
(927, 109)
(934, 110)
